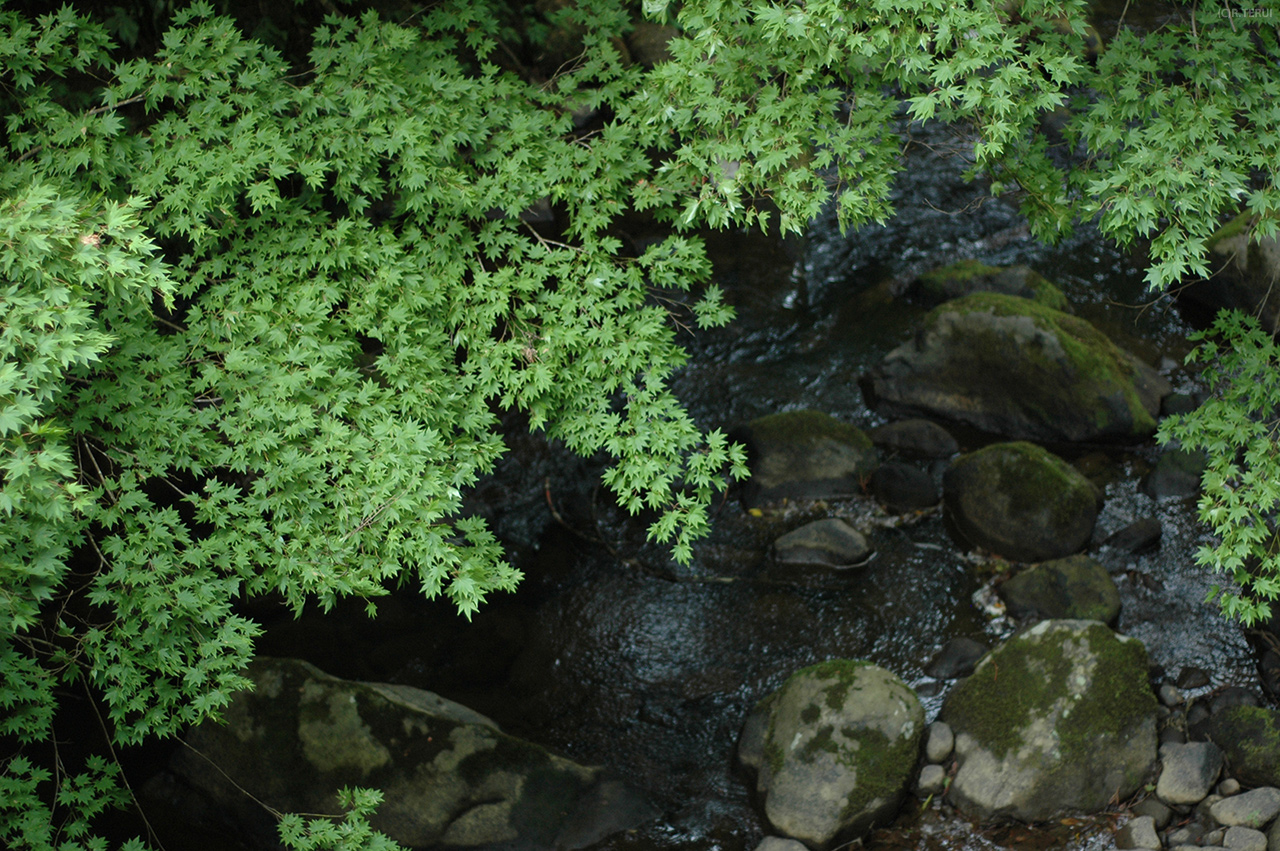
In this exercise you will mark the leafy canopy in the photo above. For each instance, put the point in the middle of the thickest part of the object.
(261, 313)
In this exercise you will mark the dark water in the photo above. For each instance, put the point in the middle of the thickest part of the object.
(612, 655)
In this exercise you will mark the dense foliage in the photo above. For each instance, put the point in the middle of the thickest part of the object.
(262, 307)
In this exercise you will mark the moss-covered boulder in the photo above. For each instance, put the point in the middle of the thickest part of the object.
(1059, 719)
(965, 277)
(801, 455)
(448, 775)
(1013, 367)
(1075, 587)
(1250, 739)
(1020, 501)
(835, 747)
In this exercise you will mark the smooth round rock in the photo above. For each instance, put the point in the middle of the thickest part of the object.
(939, 743)
(1254, 809)
(1021, 502)
(1188, 771)
(829, 543)
(1244, 839)
(933, 780)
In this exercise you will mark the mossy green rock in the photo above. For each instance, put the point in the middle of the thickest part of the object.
(965, 277)
(1250, 738)
(1075, 587)
(1020, 501)
(449, 776)
(1013, 367)
(838, 750)
(1059, 719)
(799, 455)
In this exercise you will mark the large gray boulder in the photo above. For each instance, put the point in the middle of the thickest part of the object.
(1059, 719)
(835, 749)
(805, 455)
(1020, 501)
(449, 776)
(1010, 366)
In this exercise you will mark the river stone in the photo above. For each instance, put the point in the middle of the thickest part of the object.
(1072, 587)
(932, 781)
(1176, 475)
(1244, 839)
(965, 277)
(957, 658)
(1020, 501)
(823, 543)
(1188, 771)
(1010, 366)
(1139, 536)
(921, 438)
(1058, 719)
(840, 750)
(901, 487)
(1250, 738)
(1255, 808)
(1140, 832)
(940, 743)
(448, 775)
(804, 455)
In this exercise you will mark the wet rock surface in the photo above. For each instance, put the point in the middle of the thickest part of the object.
(1075, 587)
(1012, 367)
(805, 455)
(1020, 501)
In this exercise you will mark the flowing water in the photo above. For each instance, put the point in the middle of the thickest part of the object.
(613, 655)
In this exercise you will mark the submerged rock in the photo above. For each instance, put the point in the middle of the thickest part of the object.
(448, 775)
(901, 488)
(1058, 719)
(800, 455)
(823, 543)
(921, 438)
(1020, 501)
(1073, 587)
(836, 748)
(1010, 366)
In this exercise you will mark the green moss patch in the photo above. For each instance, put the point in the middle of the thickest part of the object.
(1019, 684)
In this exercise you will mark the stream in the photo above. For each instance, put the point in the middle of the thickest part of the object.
(613, 655)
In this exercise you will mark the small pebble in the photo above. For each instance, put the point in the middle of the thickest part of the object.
(1188, 835)
(940, 743)
(1152, 806)
(1230, 786)
(933, 780)
(1138, 833)
(1170, 696)
(1214, 837)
